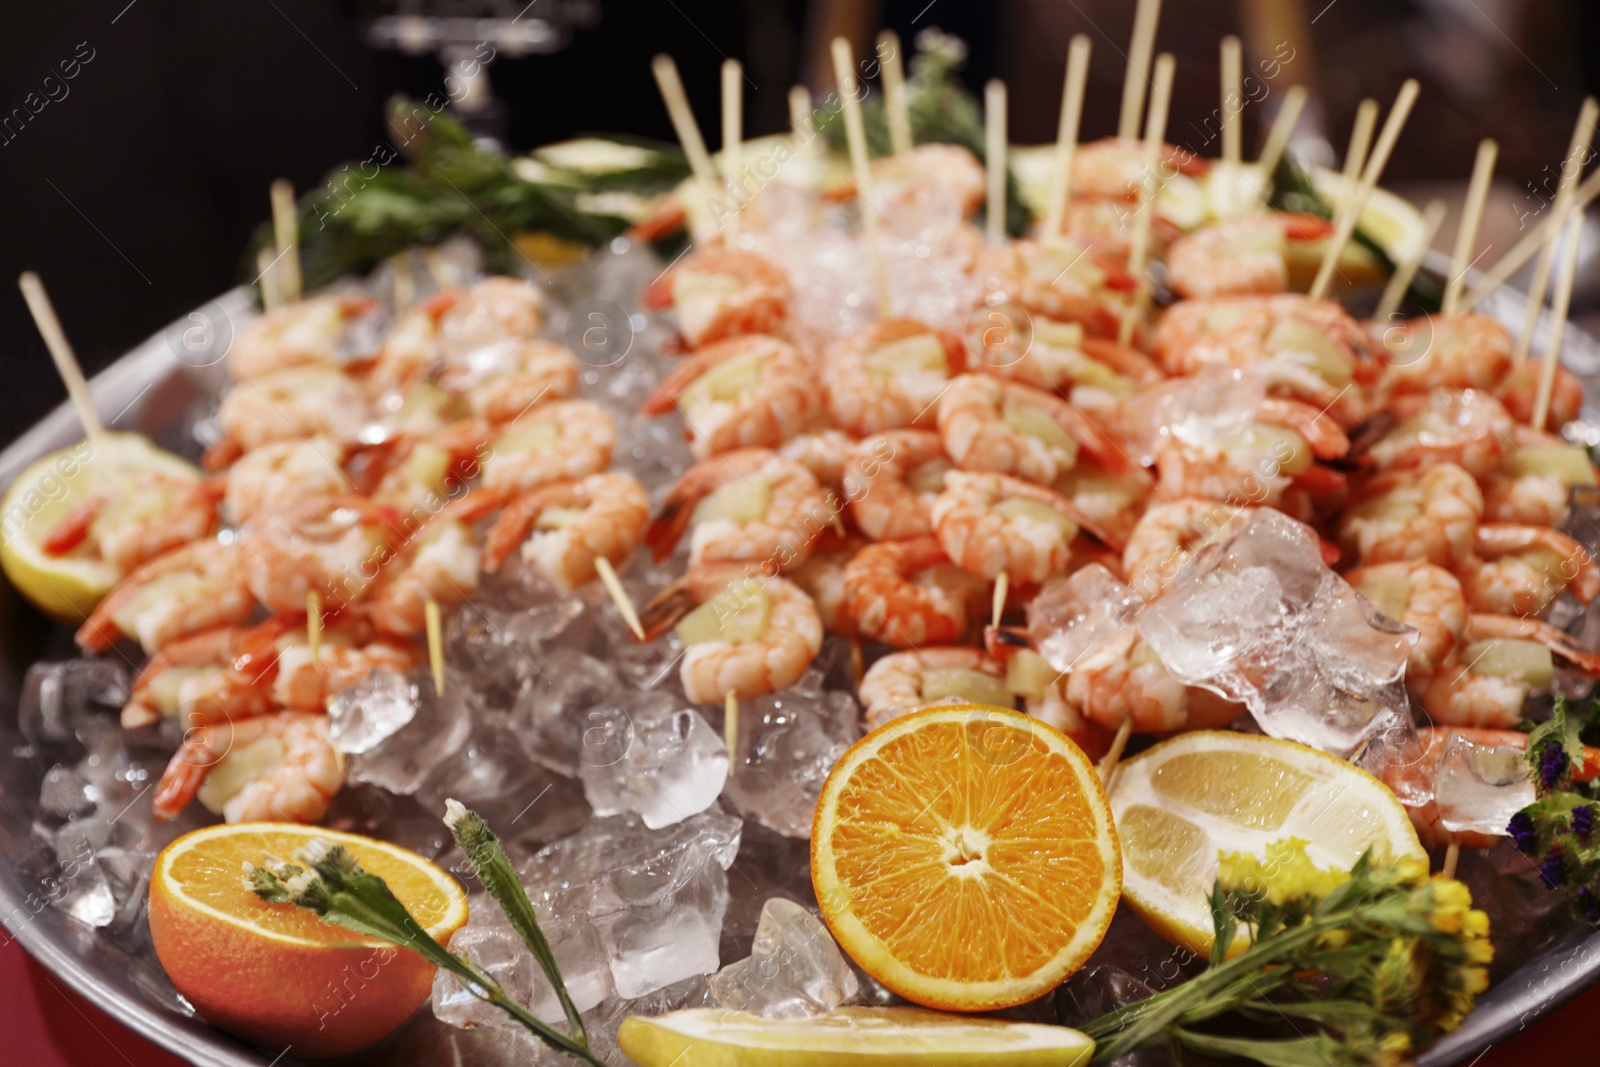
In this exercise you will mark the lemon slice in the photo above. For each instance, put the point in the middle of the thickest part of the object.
(68, 587)
(1182, 802)
(709, 1037)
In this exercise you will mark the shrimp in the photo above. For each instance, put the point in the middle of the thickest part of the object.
(753, 634)
(553, 442)
(891, 480)
(1060, 280)
(456, 322)
(989, 523)
(822, 578)
(1007, 428)
(439, 563)
(1257, 463)
(1243, 255)
(1426, 598)
(420, 473)
(1114, 167)
(1465, 351)
(1102, 224)
(718, 293)
(189, 589)
(1430, 515)
(1500, 662)
(278, 768)
(1536, 478)
(1121, 678)
(1169, 534)
(134, 520)
(564, 527)
(1110, 505)
(277, 655)
(908, 594)
(888, 376)
(742, 392)
(293, 404)
(1060, 358)
(194, 676)
(748, 506)
(902, 682)
(1520, 570)
(283, 473)
(335, 546)
(501, 382)
(1519, 392)
(906, 178)
(1466, 427)
(307, 333)
(825, 453)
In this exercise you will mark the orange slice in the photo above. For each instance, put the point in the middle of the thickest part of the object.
(965, 857)
(276, 973)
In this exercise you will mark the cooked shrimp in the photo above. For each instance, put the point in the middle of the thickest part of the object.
(1466, 351)
(554, 442)
(904, 179)
(283, 473)
(745, 391)
(189, 589)
(1521, 570)
(1519, 392)
(1466, 427)
(1122, 678)
(563, 527)
(1255, 465)
(455, 322)
(1490, 676)
(307, 333)
(438, 563)
(1104, 224)
(900, 682)
(276, 655)
(822, 578)
(501, 382)
(1243, 255)
(823, 452)
(888, 376)
(749, 506)
(989, 523)
(419, 474)
(1008, 428)
(890, 481)
(290, 770)
(908, 594)
(1424, 597)
(334, 546)
(1053, 707)
(1114, 167)
(194, 676)
(1430, 515)
(1060, 280)
(292, 405)
(718, 293)
(1168, 535)
(134, 520)
(1110, 504)
(1060, 358)
(1535, 481)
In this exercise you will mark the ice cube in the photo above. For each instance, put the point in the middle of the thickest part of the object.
(365, 715)
(1072, 614)
(656, 897)
(768, 865)
(1480, 787)
(550, 717)
(601, 1024)
(794, 969)
(520, 800)
(58, 700)
(435, 732)
(1261, 619)
(489, 941)
(649, 753)
(495, 639)
(1198, 411)
(655, 451)
(67, 793)
(787, 743)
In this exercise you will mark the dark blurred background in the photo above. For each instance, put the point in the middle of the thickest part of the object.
(133, 188)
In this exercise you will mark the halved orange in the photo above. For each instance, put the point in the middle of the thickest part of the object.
(965, 857)
(277, 974)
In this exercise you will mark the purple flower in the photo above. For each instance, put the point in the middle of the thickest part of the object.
(1521, 830)
(1588, 904)
(1552, 764)
(1583, 821)
(1554, 869)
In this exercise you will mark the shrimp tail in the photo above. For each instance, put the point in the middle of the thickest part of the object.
(98, 632)
(666, 528)
(221, 456)
(184, 776)
(1003, 642)
(71, 531)
(516, 522)
(666, 608)
(1516, 627)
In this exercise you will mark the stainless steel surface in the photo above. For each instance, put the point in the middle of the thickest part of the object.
(149, 390)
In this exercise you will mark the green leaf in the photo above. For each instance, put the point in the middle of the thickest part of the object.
(1223, 925)
(1319, 1050)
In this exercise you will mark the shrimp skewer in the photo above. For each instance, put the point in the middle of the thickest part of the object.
(130, 523)
(1501, 662)
(1521, 570)
(564, 527)
(1009, 428)
(1243, 255)
(891, 480)
(991, 524)
(182, 592)
(290, 770)
(720, 293)
(905, 681)
(749, 507)
(888, 376)
(742, 392)
(908, 594)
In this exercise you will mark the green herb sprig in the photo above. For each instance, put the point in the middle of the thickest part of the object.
(1557, 831)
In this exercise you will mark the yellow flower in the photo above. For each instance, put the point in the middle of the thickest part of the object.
(1451, 902)
(1285, 873)
(1394, 1050)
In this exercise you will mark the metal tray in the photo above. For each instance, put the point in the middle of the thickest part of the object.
(148, 390)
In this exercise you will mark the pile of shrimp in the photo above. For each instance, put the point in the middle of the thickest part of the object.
(363, 486)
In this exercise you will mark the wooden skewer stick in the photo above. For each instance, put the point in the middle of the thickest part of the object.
(800, 118)
(1067, 133)
(856, 134)
(314, 623)
(267, 277)
(55, 339)
(405, 289)
(732, 141)
(619, 595)
(1471, 215)
(1369, 180)
(1452, 856)
(1140, 47)
(1355, 157)
(1113, 756)
(1571, 170)
(994, 151)
(1154, 132)
(1559, 303)
(1232, 102)
(286, 230)
(683, 124)
(1002, 586)
(1525, 249)
(1294, 101)
(1406, 269)
(730, 728)
(895, 104)
(430, 614)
